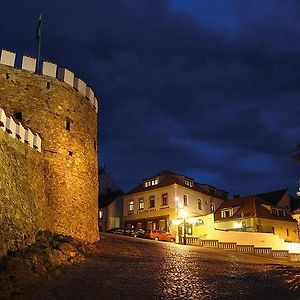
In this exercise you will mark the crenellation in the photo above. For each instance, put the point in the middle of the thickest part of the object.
(2, 119)
(11, 126)
(17, 131)
(80, 86)
(8, 58)
(29, 63)
(89, 93)
(52, 70)
(37, 142)
(20, 132)
(28, 137)
(49, 69)
(65, 75)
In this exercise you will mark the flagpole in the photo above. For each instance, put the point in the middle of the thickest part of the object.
(39, 36)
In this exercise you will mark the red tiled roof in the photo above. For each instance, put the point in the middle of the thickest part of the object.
(250, 206)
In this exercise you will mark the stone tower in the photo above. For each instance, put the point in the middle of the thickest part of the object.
(63, 110)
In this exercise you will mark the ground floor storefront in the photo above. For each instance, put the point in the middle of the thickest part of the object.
(155, 223)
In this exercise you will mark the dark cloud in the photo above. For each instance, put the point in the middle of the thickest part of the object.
(206, 88)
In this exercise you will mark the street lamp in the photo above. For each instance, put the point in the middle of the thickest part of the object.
(183, 214)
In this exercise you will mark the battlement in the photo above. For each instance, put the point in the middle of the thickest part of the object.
(50, 69)
(18, 131)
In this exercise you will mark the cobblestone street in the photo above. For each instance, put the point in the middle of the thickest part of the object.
(129, 268)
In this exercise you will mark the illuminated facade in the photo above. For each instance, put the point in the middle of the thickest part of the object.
(157, 202)
(256, 214)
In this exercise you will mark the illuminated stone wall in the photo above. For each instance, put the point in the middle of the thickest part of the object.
(70, 156)
(23, 204)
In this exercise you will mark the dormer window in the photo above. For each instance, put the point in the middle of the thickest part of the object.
(188, 182)
(226, 212)
(278, 212)
(151, 182)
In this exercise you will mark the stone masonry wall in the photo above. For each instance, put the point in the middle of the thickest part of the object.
(71, 172)
(23, 204)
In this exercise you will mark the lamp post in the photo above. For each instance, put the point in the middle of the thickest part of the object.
(183, 215)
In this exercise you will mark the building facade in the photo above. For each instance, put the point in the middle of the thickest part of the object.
(256, 214)
(158, 201)
(110, 202)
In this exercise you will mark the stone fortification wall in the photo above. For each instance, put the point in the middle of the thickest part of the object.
(66, 119)
(23, 204)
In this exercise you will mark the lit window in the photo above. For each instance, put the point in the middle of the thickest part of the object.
(141, 204)
(151, 182)
(226, 213)
(185, 200)
(152, 201)
(164, 199)
(199, 204)
(131, 205)
(188, 182)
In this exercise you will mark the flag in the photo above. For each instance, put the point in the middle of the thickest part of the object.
(39, 28)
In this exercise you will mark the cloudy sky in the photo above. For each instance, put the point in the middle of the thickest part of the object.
(205, 88)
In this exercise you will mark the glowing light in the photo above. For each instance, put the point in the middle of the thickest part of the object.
(192, 220)
(237, 225)
(292, 247)
(183, 214)
(176, 222)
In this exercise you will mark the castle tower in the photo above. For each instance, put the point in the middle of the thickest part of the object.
(64, 113)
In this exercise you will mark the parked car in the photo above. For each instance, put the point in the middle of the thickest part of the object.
(159, 235)
(129, 232)
(139, 233)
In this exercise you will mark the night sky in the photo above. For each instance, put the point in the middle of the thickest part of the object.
(209, 89)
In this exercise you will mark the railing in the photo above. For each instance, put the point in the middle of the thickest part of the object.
(227, 246)
(295, 257)
(245, 248)
(280, 254)
(263, 251)
(192, 240)
(210, 243)
(250, 249)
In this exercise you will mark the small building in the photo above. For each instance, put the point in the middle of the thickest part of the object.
(157, 201)
(267, 212)
(110, 202)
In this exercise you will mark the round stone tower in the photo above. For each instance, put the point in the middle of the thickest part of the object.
(66, 120)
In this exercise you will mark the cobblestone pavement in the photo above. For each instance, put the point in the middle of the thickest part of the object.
(129, 268)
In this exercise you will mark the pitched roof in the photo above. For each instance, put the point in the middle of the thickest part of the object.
(250, 206)
(273, 197)
(167, 178)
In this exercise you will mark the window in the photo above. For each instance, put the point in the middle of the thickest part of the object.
(185, 200)
(68, 124)
(212, 207)
(141, 204)
(131, 205)
(226, 213)
(18, 115)
(152, 201)
(278, 212)
(151, 182)
(164, 199)
(287, 232)
(188, 182)
(199, 204)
